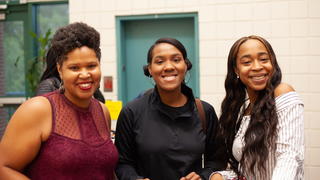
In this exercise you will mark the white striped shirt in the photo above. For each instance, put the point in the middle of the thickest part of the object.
(289, 154)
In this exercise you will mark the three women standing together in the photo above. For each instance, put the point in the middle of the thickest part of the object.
(161, 135)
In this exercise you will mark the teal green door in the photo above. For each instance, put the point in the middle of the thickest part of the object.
(137, 37)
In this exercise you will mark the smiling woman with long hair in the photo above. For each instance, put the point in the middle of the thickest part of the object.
(262, 118)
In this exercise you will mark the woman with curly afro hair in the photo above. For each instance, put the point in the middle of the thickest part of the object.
(262, 117)
(64, 134)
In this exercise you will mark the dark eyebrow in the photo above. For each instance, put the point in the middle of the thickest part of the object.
(176, 54)
(248, 56)
(173, 55)
(158, 57)
(245, 56)
(73, 64)
(263, 53)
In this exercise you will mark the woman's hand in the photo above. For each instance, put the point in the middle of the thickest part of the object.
(216, 176)
(191, 176)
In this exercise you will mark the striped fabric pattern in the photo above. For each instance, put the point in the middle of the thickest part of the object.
(289, 155)
(290, 142)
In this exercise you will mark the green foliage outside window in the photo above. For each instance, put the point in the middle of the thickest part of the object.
(49, 17)
(52, 17)
(37, 64)
(14, 58)
(20, 72)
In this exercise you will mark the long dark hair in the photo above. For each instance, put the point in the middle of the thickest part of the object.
(51, 67)
(261, 134)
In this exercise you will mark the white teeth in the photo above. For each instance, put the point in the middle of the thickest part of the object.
(257, 77)
(84, 85)
(169, 78)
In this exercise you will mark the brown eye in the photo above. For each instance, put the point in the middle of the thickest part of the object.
(158, 61)
(246, 62)
(92, 66)
(74, 68)
(177, 59)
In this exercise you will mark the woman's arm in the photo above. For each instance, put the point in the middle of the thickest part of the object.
(29, 126)
(215, 156)
(125, 143)
(290, 141)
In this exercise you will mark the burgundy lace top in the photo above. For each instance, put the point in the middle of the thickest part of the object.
(79, 146)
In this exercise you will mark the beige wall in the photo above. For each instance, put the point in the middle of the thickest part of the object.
(291, 26)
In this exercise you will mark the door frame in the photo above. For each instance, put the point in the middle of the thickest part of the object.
(120, 21)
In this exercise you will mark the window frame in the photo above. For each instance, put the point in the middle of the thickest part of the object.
(26, 12)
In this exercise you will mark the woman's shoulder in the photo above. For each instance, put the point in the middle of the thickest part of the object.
(35, 113)
(208, 109)
(286, 96)
(141, 101)
(105, 109)
(38, 106)
(106, 113)
(206, 105)
(283, 88)
(38, 103)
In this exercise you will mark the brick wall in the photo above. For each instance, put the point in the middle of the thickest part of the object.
(291, 26)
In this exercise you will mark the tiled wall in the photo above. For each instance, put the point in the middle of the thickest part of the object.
(291, 26)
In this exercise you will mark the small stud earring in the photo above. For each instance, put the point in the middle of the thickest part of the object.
(238, 76)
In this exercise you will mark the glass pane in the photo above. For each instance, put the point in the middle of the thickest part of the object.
(5, 114)
(49, 18)
(52, 17)
(12, 58)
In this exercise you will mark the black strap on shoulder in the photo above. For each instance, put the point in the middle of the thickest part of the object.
(202, 115)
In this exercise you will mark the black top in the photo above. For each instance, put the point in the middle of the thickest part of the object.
(164, 143)
(48, 85)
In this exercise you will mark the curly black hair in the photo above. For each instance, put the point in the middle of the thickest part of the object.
(66, 39)
(73, 36)
(261, 134)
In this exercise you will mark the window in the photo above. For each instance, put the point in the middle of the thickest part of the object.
(18, 47)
